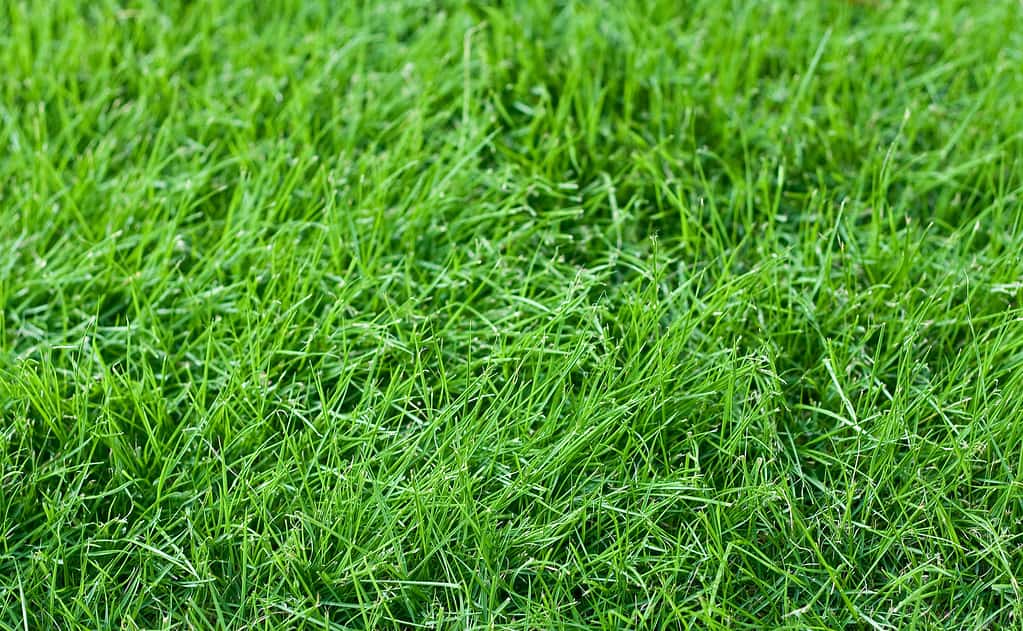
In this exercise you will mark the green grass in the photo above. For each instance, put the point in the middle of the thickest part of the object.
(525, 315)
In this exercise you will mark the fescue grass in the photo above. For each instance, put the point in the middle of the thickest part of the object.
(525, 315)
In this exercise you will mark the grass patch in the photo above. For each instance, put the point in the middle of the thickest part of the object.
(532, 315)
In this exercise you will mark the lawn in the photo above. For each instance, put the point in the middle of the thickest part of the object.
(511, 315)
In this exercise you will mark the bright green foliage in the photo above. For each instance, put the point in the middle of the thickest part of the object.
(528, 315)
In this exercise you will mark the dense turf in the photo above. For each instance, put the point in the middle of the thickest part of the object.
(533, 315)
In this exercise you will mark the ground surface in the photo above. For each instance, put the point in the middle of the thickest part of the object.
(537, 316)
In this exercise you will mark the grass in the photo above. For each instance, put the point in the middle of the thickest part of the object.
(524, 315)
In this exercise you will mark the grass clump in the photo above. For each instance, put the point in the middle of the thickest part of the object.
(533, 315)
